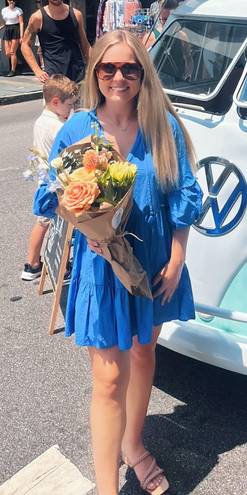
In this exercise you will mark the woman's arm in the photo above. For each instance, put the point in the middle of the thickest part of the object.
(170, 275)
(183, 209)
(21, 26)
(179, 245)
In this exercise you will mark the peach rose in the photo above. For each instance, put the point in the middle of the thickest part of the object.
(90, 160)
(79, 196)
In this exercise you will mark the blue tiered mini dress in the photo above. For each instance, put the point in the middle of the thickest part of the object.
(100, 311)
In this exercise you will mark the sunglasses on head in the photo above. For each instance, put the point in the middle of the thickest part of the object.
(129, 70)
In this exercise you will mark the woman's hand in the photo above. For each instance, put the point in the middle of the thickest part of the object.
(168, 278)
(94, 246)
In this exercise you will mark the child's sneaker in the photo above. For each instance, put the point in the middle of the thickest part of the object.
(30, 273)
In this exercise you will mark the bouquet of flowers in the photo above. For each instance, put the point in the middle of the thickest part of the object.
(94, 187)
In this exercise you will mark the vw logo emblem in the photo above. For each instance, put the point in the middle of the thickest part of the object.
(225, 198)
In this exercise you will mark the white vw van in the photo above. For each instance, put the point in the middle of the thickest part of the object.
(201, 60)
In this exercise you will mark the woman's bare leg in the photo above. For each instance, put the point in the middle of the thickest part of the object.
(110, 369)
(13, 57)
(7, 49)
(142, 367)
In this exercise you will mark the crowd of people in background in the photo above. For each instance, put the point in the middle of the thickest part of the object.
(70, 34)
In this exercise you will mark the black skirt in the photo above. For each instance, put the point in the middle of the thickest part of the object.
(11, 32)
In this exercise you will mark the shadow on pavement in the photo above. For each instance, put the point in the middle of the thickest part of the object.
(210, 420)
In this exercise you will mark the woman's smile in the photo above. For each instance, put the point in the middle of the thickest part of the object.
(119, 89)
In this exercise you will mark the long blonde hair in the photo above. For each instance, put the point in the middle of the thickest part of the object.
(152, 106)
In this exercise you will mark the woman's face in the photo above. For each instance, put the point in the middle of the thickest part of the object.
(11, 4)
(164, 14)
(119, 89)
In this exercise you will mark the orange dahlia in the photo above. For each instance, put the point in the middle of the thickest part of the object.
(90, 160)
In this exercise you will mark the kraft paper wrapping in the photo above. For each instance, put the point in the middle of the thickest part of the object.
(107, 227)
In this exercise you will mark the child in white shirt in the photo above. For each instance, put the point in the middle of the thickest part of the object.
(60, 95)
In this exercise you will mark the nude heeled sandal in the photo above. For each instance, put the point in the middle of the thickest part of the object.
(152, 472)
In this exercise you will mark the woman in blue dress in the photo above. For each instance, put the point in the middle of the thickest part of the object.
(125, 98)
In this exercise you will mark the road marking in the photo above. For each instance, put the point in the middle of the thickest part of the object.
(50, 473)
(6, 169)
(170, 421)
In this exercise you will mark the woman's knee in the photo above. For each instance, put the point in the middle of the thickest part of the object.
(110, 376)
(14, 46)
(143, 353)
(107, 385)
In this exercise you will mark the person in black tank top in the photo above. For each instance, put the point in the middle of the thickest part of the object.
(62, 40)
(60, 45)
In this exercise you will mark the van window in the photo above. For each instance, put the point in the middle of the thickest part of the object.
(242, 97)
(243, 93)
(192, 55)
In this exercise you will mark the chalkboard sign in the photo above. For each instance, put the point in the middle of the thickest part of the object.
(55, 248)
(55, 259)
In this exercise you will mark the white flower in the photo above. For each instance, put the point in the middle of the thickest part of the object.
(64, 177)
(38, 154)
(54, 185)
(28, 175)
(42, 166)
(43, 175)
(57, 163)
(31, 158)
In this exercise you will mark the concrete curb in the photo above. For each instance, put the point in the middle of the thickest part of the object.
(50, 473)
(7, 100)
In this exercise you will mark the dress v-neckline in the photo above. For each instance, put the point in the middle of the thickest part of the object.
(128, 157)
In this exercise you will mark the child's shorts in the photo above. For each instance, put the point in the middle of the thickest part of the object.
(43, 221)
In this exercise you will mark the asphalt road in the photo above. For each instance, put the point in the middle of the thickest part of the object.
(197, 418)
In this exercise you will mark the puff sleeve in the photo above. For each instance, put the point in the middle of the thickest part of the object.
(185, 200)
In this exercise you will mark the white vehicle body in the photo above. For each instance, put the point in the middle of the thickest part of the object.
(208, 86)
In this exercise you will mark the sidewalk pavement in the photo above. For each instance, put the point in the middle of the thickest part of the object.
(52, 473)
(19, 88)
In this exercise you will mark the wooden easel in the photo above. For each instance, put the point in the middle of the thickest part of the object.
(57, 282)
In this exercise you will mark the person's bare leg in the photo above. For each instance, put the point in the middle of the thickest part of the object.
(142, 367)
(110, 369)
(13, 57)
(35, 243)
(7, 49)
